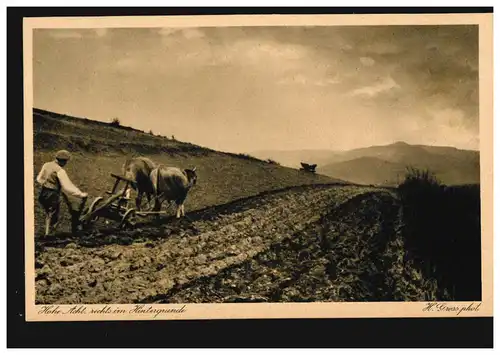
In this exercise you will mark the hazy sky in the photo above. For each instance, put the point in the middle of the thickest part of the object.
(249, 88)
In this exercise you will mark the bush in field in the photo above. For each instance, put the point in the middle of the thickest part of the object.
(422, 196)
(273, 162)
(423, 179)
(442, 232)
(115, 122)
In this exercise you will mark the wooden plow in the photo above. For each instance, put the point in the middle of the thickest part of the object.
(115, 208)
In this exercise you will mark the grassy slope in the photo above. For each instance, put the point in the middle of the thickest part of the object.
(99, 149)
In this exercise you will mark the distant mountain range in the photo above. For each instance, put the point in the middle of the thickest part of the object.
(387, 164)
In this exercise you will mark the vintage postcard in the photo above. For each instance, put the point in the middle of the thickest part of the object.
(218, 167)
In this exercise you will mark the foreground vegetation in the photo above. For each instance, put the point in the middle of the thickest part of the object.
(442, 233)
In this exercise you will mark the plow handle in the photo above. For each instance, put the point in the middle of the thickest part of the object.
(82, 204)
(75, 215)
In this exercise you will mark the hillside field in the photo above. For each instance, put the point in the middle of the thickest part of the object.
(255, 232)
(99, 149)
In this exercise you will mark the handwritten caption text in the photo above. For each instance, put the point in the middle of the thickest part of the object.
(445, 307)
(99, 310)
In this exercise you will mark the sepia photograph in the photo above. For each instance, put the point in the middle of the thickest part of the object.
(301, 163)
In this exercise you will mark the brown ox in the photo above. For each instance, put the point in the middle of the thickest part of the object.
(172, 184)
(138, 170)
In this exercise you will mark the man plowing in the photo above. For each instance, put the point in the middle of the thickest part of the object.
(54, 180)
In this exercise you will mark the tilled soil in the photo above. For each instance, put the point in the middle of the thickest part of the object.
(353, 253)
(303, 244)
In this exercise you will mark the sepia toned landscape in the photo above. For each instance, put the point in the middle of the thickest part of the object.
(302, 194)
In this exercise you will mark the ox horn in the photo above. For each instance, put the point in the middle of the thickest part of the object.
(194, 169)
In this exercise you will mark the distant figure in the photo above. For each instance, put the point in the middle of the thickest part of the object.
(53, 178)
(172, 184)
(138, 170)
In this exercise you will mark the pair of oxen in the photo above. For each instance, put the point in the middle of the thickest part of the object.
(163, 183)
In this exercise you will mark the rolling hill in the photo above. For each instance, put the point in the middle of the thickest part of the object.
(386, 164)
(100, 149)
(367, 170)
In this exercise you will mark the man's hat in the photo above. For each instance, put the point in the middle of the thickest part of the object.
(63, 155)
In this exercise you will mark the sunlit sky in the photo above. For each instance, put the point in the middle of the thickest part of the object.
(243, 89)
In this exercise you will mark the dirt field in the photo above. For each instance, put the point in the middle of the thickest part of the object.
(302, 244)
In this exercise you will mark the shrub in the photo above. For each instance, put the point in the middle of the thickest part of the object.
(442, 232)
(270, 161)
(115, 122)
(417, 178)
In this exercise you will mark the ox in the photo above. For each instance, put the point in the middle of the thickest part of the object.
(138, 170)
(172, 184)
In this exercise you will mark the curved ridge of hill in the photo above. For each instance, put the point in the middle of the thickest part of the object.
(387, 164)
(367, 170)
(100, 149)
(81, 134)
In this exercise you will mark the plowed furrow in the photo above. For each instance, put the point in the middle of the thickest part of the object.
(146, 271)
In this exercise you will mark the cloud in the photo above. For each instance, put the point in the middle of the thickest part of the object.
(380, 48)
(346, 47)
(257, 55)
(367, 61)
(192, 33)
(101, 32)
(328, 81)
(382, 86)
(301, 79)
(294, 79)
(186, 33)
(167, 31)
(261, 52)
(193, 49)
(78, 34)
(126, 64)
(184, 41)
(285, 63)
(315, 81)
(64, 34)
(443, 127)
